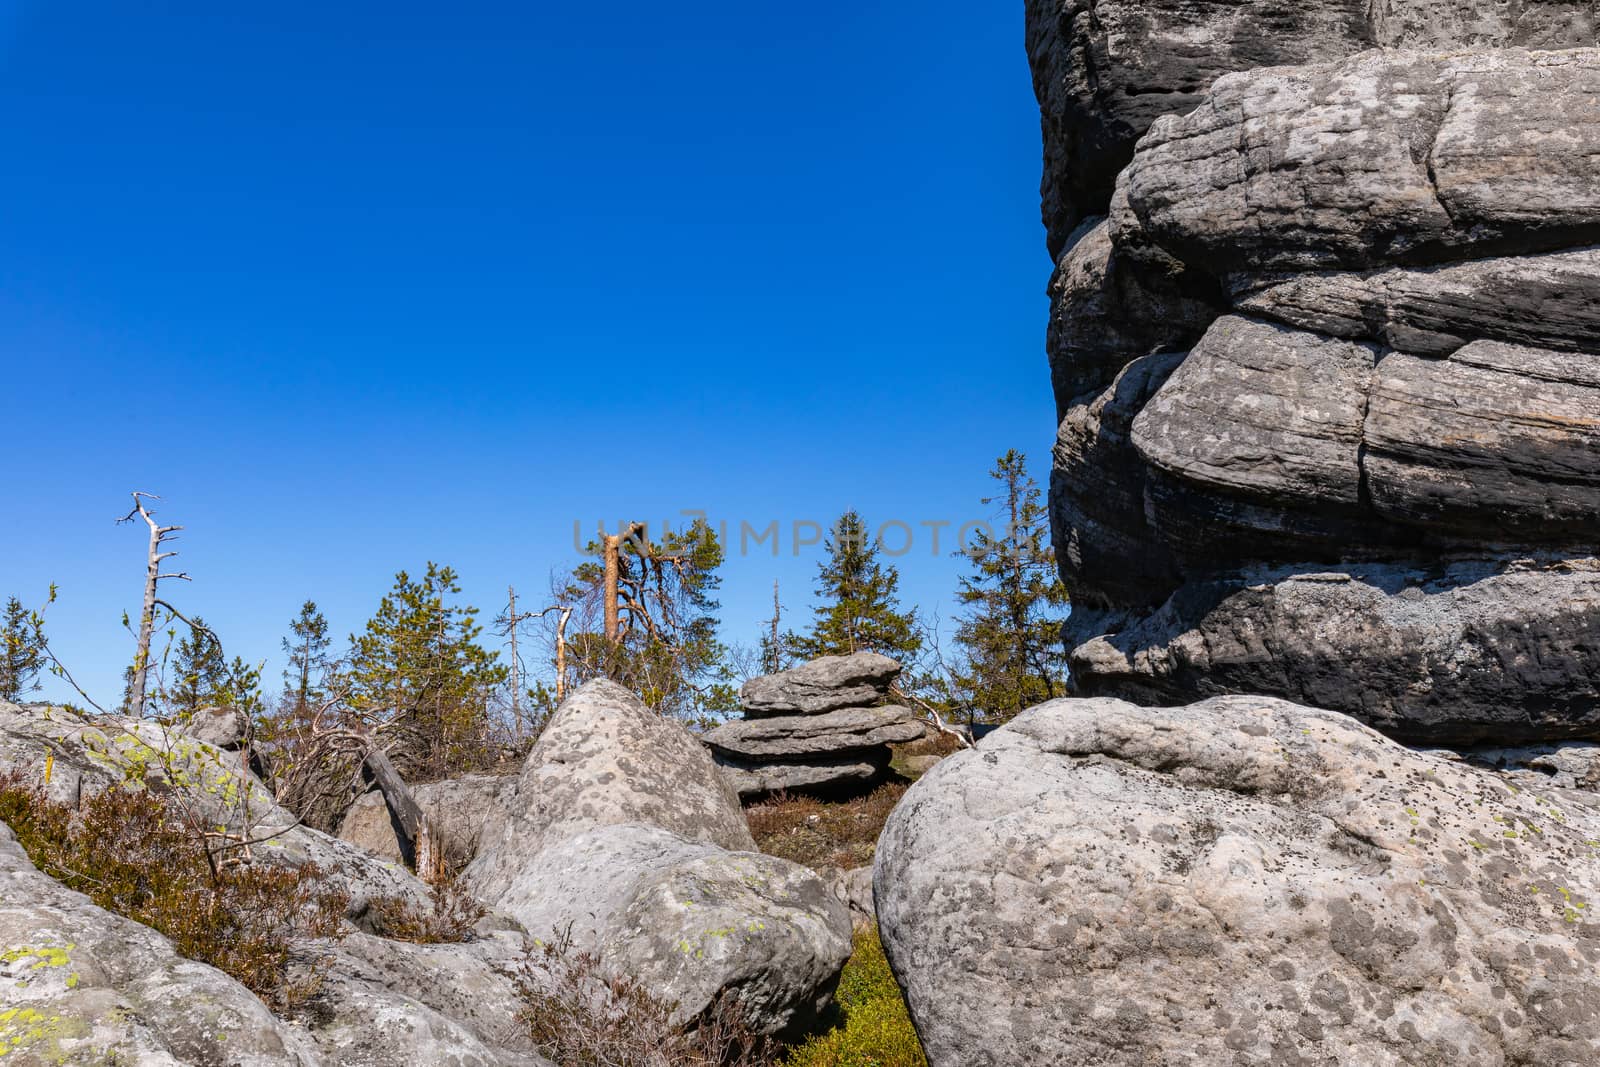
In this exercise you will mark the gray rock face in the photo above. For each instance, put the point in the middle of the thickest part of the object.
(822, 685)
(1341, 313)
(1457, 155)
(806, 728)
(1105, 70)
(605, 759)
(219, 727)
(81, 985)
(1238, 881)
(459, 809)
(831, 733)
(692, 921)
(855, 771)
(382, 1002)
(623, 830)
(1445, 656)
(87, 756)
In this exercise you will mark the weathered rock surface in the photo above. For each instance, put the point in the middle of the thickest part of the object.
(1387, 158)
(692, 921)
(1107, 550)
(1238, 881)
(821, 685)
(381, 1002)
(219, 727)
(89, 755)
(81, 985)
(831, 733)
(605, 759)
(1445, 655)
(1343, 310)
(1547, 301)
(623, 831)
(1105, 70)
(856, 771)
(458, 808)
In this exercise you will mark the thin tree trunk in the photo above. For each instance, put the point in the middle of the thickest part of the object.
(516, 690)
(147, 619)
(561, 655)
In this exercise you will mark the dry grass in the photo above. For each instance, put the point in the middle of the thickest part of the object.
(454, 914)
(823, 833)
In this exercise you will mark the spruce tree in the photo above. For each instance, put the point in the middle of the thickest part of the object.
(23, 654)
(858, 608)
(1010, 633)
(199, 672)
(307, 648)
(419, 665)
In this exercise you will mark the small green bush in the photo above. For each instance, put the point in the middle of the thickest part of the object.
(876, 1029)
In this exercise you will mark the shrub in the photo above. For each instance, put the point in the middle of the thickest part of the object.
(875, 1030)
(578, 1016)
(130, 853)
(454, 914)
(816, 833)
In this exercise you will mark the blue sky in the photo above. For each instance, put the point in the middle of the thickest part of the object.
(356, 286)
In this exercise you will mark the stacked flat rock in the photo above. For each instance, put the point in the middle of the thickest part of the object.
(824, 724)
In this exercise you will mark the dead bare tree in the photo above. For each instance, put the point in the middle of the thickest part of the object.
(508, 622)
(159, 536)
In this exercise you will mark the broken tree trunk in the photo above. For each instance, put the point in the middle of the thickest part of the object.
(417, 843)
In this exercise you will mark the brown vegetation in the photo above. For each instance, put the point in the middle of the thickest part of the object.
(131, 853)
(817, 833)
(454, 914)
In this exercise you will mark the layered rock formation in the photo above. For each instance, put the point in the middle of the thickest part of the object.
(1242, 880)
(821, 725)
(1325, 341)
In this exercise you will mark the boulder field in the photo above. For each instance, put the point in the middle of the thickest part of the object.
(620, 837)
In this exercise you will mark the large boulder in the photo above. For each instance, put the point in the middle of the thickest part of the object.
(72, 755)
(824, 684)
(604, 759)
(81, 985)
(1242, 880)
(457, 808)
(691, 921)
(385, 1003)
(622, 833)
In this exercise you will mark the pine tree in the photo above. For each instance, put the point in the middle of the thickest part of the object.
(307, 649)
(858, 607)
(1010, 635)
(419, 665)
(23, 654)
(666, 648)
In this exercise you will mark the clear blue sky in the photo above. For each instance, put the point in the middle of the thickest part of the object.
(356, 286)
